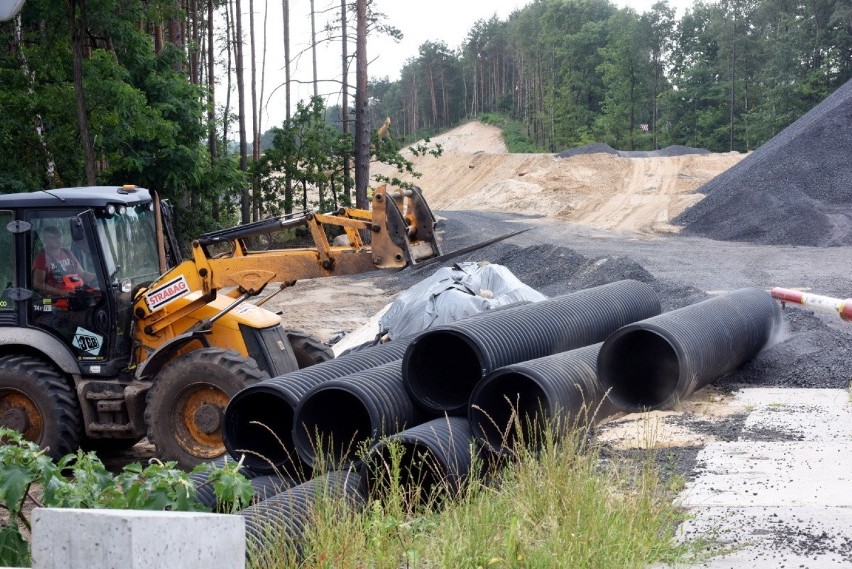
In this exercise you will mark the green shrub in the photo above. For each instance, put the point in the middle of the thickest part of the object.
(29, 478)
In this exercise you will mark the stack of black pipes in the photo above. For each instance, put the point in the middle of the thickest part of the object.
(484, 385)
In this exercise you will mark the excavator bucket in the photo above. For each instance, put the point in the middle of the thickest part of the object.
(410, 227)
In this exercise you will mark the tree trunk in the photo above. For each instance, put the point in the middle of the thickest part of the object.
(50, 163)
(314, 47)
(211, 103)
(288, 181)
(245, 205)
(255, 135)
(434, 99)
(344, 104)
(362, 123)
(78, 28)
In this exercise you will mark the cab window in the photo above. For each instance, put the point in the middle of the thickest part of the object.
(7, 261)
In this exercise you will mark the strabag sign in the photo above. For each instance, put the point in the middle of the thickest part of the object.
(168, 292)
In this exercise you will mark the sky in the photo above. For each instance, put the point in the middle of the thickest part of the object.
(419, 21)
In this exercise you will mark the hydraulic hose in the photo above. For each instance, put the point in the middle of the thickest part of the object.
(442, 366)
(335, 419)
(655, 363)
(518, 403)
(258, 422)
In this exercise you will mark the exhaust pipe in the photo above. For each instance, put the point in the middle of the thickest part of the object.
(655, 363)
(258, 422)
(514, 404)
(442, 366)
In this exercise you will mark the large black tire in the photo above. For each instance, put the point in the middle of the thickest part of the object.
(37, 400)
(308, 350)
(187, 401)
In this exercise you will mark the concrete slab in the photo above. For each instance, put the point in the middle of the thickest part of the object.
(773, 537)
(796, 414)
(132, 539)
(780, 495)
(771, 474)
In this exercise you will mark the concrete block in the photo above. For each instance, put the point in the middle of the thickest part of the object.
(135, 539)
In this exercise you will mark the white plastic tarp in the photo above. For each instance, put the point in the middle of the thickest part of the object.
(453, 293)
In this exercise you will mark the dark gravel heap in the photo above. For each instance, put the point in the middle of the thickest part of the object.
(808, 352)
(794, 190)
(588, 149)
(674, 150)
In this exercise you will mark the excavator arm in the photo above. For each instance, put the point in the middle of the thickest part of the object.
(186, 300)
(401, 233)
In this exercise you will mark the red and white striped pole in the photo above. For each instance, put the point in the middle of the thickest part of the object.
(843, 307)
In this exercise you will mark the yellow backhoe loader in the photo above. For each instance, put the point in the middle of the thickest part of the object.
(107, 335)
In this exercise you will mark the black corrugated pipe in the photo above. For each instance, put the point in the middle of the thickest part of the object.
(432, 459)
(269, 485)
(258, 420)
(442, 366)
(514, 404)
(342, 414)
(283, 518)
(655, 363)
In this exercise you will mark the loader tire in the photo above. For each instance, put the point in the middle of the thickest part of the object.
(36, 400)
(186, 403)
(308, 350)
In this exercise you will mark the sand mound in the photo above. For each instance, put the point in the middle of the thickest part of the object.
(597, 189)
(794, 190)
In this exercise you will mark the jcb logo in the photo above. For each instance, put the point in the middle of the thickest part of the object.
(87, 341)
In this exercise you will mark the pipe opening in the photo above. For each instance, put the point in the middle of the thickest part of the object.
(331, 424)
(641, 368)
(441, 371)
(509, 410)
(260, 424)
(411, 467)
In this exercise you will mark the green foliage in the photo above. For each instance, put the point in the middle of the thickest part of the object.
(514, 134)
(147, 120)
(30, 478)
(726, 76)
(311, 152)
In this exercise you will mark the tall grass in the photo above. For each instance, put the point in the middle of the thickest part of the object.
(557, 506)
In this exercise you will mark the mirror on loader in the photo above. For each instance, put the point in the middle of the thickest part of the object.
(78, 234)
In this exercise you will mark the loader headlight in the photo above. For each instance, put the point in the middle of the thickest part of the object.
(110, 210)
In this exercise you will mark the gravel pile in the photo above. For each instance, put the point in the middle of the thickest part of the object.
(809, 353)
(588, 149)
(794, 190)
(668, 151)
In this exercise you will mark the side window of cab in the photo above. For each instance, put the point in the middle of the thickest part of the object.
(7, 261)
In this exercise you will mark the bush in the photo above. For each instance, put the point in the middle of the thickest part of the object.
(29, 478)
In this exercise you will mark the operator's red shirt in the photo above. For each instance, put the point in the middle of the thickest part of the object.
(55, 266)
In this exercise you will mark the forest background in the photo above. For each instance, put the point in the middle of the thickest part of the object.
(125, 91)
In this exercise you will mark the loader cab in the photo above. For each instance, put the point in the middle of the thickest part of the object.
(70, 261)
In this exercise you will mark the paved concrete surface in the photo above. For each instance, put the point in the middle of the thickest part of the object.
(780, 495)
